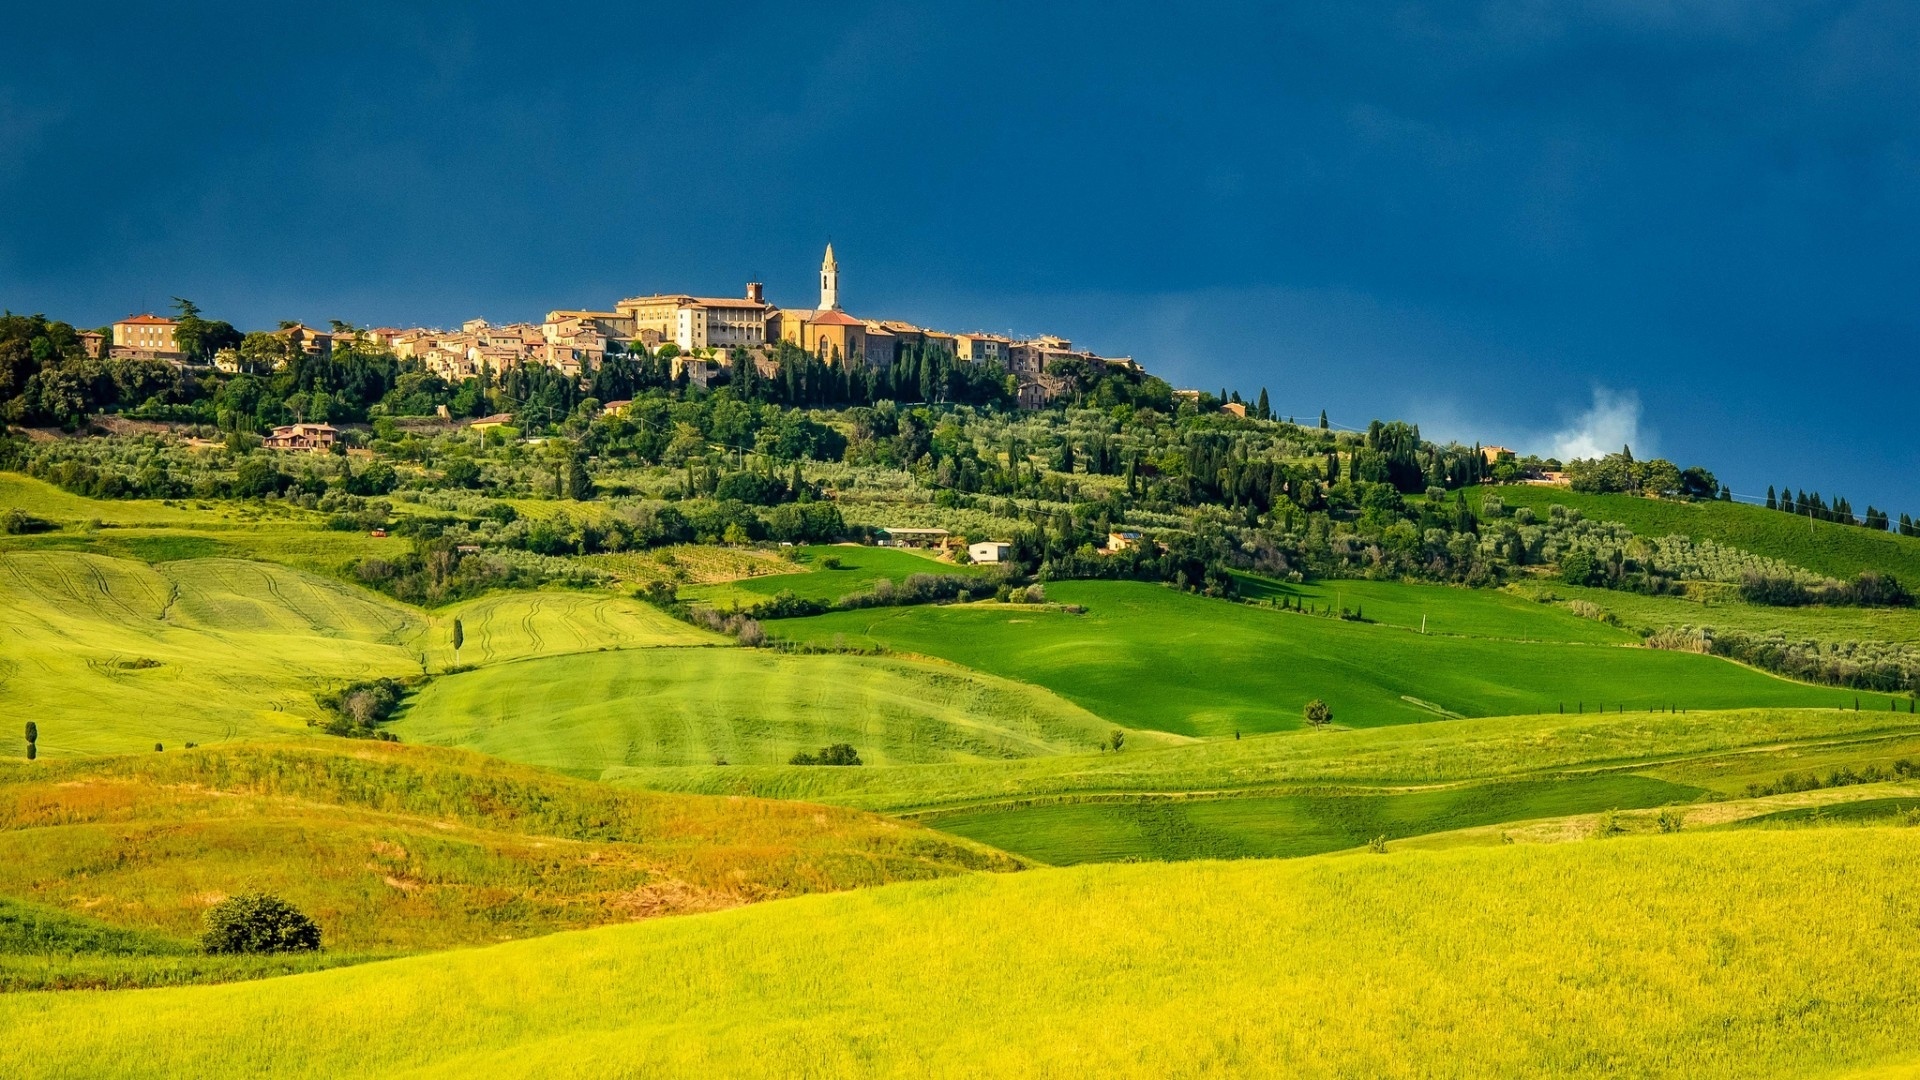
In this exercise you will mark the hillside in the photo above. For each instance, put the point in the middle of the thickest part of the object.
(594, 711)
(1841, 551)
(398, 849)
(1220, 668)
(1696, 956)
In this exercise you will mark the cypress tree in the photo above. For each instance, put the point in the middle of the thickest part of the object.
(1265, 409)
(1772, 503)
(1323, 419)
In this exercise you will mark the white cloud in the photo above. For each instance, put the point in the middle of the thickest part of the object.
(1612, 422)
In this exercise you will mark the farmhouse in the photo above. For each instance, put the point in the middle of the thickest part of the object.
(1122, 539)
(990, 551)
(303, 437)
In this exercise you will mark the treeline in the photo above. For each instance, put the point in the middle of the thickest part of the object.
(1840, 511)
(1870, 589)
(1620, 473)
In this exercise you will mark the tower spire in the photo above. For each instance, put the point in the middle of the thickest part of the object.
(829, 281)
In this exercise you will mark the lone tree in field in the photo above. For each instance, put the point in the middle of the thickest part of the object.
(33, 736)
(1319, 713)
(1117, 739)
(258, 923)
(837, 754)
(459, 639)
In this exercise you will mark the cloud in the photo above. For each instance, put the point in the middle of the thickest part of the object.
(1612, 422)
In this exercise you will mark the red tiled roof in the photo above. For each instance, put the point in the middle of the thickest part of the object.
(149, 319)
(835, 317)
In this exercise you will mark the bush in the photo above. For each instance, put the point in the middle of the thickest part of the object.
(1319, 713)
(837, 754)
(17, 521)
(258, 923)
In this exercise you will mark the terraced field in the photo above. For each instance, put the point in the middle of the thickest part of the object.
(590, 712)
(1701, 956)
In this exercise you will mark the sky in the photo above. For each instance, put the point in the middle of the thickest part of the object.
(1691, 227)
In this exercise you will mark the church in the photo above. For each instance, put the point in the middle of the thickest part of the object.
(828, 332)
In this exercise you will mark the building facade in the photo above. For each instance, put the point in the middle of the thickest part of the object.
(146, 336)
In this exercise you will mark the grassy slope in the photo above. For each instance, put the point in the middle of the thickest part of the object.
(593, 711)
(1218, 668)
(1305, 792)
(1838, 550)
(112, 655)
(859, 568)
(1797, 624)
(1503, 747)
(1695, 956)
(395, 848)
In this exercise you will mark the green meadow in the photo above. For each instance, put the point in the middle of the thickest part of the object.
(856, 570)
(589, 712)
(1218, 668)
(1286, 826)
(112, 655)
(1697, 955)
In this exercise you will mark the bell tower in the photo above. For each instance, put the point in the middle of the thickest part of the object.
(829, 282)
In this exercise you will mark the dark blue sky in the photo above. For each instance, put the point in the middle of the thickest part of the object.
(1695, 225)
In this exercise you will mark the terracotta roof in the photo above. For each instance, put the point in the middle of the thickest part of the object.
(879, 330)
(727, 301)
(835, 317)
(149, 319)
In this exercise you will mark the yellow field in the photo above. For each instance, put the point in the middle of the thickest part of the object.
(1699, 956)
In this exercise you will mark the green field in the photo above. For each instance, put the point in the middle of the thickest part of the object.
(589, 712)
(1218, 668)
(1286, 826)
(1698, 956)
(113, 655)
(859, 568)
(1841, 551)
(1716, 750)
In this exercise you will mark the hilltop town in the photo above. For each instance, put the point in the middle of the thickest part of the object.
(706, 340)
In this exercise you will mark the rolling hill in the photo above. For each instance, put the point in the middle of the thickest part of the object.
(396, 849)
(590, 712)
(1221, 668)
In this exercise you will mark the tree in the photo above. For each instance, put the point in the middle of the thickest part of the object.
(459, 639)
(258, 923)
(33, 736)
(837, 754)
(579, 483)
(1265, 409)
(1319, 713)
(1323, 419)
(1773, 501)
(1117, 739)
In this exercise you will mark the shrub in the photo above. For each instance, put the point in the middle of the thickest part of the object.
(1319, 713)
(258, 923)
(837, 754)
